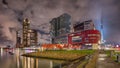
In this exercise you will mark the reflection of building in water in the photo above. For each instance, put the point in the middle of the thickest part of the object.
(1, 51)
(29, 62)
(18, 60)
(51, 64)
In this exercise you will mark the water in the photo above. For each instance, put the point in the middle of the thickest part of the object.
(8, 60)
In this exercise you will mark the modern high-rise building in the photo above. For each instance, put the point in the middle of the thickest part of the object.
(60, 26)
(64, 23)
(26, 27)
(27, 36)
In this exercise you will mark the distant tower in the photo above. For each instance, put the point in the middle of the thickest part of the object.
(102, 28)
(26, 27)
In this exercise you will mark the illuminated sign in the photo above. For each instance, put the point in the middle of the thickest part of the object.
(76, 39)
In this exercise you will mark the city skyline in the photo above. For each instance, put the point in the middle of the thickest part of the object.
(40, 12)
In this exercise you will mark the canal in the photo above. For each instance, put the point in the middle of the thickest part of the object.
(8, 60)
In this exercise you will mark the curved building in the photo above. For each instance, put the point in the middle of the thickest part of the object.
(86, 39)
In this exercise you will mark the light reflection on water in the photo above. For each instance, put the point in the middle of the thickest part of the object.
(1, 51)
(15, 61)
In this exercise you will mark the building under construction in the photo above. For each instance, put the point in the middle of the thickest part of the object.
(28, 37)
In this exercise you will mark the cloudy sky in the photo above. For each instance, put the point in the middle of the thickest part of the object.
(40, 12)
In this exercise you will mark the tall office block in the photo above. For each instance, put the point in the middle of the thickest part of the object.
(60, 26)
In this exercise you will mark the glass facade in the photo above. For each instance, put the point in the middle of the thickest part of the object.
(60, 26)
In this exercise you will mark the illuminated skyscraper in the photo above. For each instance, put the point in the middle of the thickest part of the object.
(27, 36)
(26, 27)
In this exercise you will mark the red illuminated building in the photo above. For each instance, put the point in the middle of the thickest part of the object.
(87, 37)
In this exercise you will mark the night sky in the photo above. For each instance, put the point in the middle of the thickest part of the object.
(40, 12)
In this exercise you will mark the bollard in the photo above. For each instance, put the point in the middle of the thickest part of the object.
(87, 57)
(111, 53)
(118, 57)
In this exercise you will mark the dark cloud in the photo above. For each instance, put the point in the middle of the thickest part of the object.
(51, 4)
(19, 15)
(1, 26)
(5, 2)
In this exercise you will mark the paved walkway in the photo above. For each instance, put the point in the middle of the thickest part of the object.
(105, 62)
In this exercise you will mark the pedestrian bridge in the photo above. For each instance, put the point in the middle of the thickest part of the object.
(21, 51)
